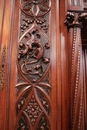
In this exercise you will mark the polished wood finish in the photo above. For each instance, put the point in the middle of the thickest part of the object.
(75, 20)
(66, 100)
(10, 36)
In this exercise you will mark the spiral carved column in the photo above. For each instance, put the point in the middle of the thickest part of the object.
(73, 22)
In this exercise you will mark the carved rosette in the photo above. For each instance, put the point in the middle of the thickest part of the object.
(74, 24)
(33, 88)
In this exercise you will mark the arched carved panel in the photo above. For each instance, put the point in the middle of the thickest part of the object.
(33, 89)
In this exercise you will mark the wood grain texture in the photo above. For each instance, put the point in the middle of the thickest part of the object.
(65, 89)
(77, 73)
(43, 86)
(54, 97)
(6, 22)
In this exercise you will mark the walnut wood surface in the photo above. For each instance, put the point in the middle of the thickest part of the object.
(10, 36)
(54, 108)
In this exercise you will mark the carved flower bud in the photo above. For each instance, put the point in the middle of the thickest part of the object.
(46, 60)
(47, 46)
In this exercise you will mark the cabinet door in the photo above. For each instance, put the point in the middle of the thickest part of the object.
(33, 67)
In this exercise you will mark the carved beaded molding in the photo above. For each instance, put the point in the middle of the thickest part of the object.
(74, 20)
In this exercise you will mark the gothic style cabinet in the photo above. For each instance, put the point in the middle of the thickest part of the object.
(76, 19)
(43, 65)
(30, 65)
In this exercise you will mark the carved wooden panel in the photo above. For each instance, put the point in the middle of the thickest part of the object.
(33, 87)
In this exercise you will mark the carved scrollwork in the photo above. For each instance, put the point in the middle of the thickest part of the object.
(33, 66)
(32, 51)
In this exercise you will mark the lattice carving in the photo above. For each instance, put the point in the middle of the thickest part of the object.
(33, 64)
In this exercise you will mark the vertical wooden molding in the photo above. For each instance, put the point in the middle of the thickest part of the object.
(65, 113)
(73, 22)
(6, 40)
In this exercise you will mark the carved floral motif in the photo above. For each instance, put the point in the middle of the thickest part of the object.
(33, 65)
(33, 110)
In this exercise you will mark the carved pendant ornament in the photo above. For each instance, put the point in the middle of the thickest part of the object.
(33, 88)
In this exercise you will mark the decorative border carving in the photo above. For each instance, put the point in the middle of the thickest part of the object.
(33, 88)
(2, 71)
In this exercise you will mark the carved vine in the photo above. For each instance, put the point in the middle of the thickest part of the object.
(33, 65)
